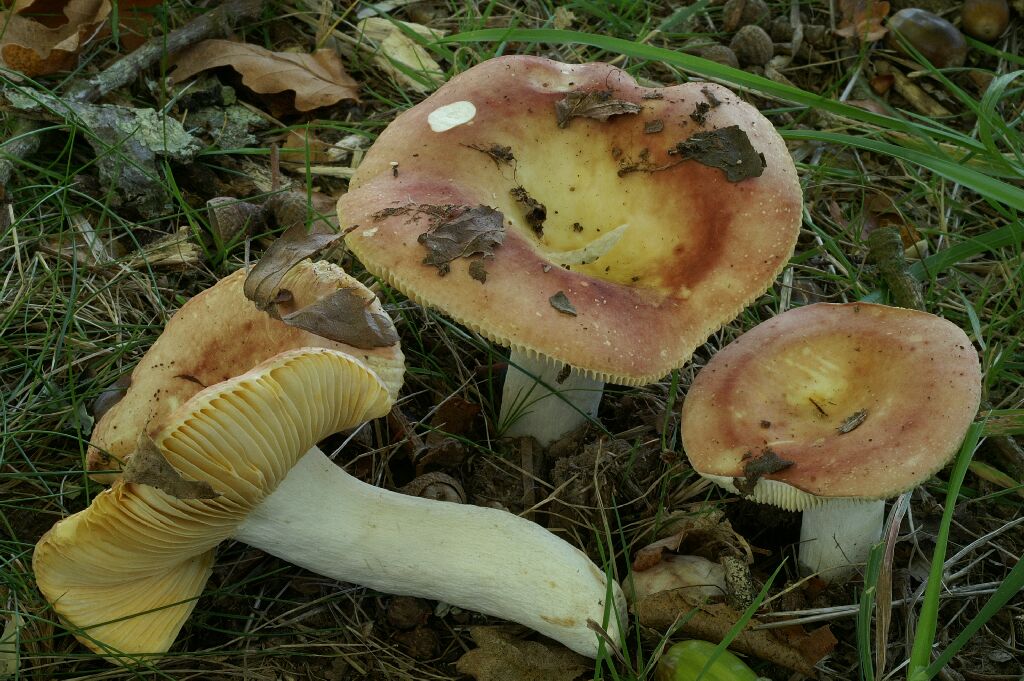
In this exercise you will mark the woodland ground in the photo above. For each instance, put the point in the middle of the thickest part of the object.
(87, 283)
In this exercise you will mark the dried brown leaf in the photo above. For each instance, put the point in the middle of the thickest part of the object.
(503, 657)
(713, 621)
(709, 535)
(728, 149)
(862, 19)
(147, 466)
(598, 105)
(476, 231)
(39, 38)
(396, 50)
(297, 243)
(561, 302)
(756, 467)
(317, 79)
(345, 316)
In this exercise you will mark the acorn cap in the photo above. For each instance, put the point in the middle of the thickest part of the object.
(620, 254)
(855, 400)
(218, 334)
(125, 573)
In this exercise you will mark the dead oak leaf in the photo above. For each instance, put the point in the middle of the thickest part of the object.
(501, 656)
(862, 19)
(345, 316)
(39, 38)
(147, 466)
(263, 283)
(728, 149)
(599, 105)
(476, 231)
(317, 79)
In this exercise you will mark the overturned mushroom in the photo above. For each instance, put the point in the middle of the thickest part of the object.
(601, 229)
(831, 409)
(230, 461)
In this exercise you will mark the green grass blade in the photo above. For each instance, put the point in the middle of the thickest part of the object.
(710, 69)
(924, 637)
(941, 164)
(1009, 588)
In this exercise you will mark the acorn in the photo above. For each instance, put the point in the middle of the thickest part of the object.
(720, 54)
(935, 38)
(737, 13)
(985, 19)
(752, 45)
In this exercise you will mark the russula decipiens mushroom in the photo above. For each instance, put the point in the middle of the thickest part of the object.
(238, 438)
(601, 229)
(219, 334)
(831, 409)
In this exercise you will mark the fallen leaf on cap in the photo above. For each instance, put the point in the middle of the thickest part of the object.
(727, 149)
(500, 656)
(757, 467)
(713, 621)
(477, 231)
(51, 40)
(534, 212)
(147, 466)
(862, 19)
(263, 282)
(345, 316)
(317, 79)
(478, 270)
(398, 54)
(561, 302)
(598, 105)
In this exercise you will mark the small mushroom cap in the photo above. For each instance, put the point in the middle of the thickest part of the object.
(125, 573)
(866, 401)
(218, 334)
(653, 252)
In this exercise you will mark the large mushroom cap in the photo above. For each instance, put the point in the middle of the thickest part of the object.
(619, 254)
(126, 572)
(864, 400)
(216, 335)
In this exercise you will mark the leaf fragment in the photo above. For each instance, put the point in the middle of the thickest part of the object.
(401, 56)
(147, 466)
(757, 467)
(862, 19)
(345, 316)
(561, 302)
(296, 244)
(478, 271)
(598, 104)
(727, 149)
(501, 656)
(475, 231)
(535, 212)
(317, 79)
(36, 46)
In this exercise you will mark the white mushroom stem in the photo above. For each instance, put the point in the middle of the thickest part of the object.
(481, 559)
(529, 407)
(836, 536)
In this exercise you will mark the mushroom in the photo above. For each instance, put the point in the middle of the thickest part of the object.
(600, 229)
(236, 460)
(219, 334)
(831, 409)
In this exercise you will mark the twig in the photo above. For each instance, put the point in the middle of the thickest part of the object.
(125, 70)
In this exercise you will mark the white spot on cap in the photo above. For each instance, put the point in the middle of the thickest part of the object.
(370, 232)
(451, 115)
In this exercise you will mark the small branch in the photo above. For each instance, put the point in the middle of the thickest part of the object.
(24, 142)
(126, 69)
(885, 250)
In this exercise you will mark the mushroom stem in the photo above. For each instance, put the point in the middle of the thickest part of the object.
(535, 402)
(323, 519)
(836, 536)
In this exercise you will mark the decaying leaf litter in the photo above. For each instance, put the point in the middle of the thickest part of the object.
(94, 263)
